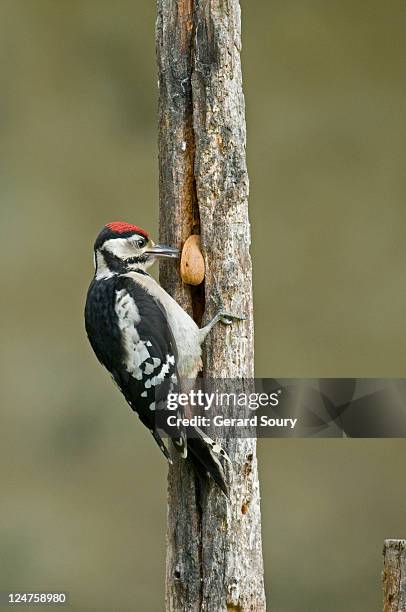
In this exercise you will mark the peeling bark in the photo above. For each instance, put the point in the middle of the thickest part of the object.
(214, 550)
(394, 576)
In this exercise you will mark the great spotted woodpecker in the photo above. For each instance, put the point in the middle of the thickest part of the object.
(144, 338)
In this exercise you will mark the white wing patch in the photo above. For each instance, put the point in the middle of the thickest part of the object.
(136, 350)
(148, 369)
(164, 371)
(128, 317)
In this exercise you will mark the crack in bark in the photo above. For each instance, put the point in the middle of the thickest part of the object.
(197, 295)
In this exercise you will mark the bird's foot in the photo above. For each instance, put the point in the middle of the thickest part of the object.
(227, 318)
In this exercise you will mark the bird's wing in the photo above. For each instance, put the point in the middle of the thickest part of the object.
(149, 357)
(134, 341)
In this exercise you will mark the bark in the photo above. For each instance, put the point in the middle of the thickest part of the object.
(214, 550)
(394, 576)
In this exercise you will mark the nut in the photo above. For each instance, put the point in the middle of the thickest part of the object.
(192, 262)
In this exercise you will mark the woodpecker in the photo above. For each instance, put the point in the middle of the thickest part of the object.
(147, 342)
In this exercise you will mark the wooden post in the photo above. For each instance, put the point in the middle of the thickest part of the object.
(394, 576)
(214, 550)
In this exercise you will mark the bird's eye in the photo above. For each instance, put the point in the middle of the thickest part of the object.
(141, 242)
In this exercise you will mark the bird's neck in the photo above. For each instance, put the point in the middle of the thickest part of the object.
(107, 264)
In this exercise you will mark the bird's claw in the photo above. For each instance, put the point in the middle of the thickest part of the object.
(227, 318)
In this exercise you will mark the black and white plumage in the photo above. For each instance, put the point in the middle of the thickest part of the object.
(147, 342)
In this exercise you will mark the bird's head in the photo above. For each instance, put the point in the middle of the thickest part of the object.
(121, 247)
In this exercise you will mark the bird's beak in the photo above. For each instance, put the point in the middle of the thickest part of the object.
(161, 250)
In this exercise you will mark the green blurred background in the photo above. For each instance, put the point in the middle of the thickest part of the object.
(83, 487)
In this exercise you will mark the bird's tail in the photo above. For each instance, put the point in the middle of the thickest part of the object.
(204, 454)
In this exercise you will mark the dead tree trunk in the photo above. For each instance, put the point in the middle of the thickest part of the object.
(394, 576)
(214, 551)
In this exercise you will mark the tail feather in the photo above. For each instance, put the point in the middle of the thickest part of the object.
(203, 457)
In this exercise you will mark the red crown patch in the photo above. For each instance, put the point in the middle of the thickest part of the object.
(120, 227)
